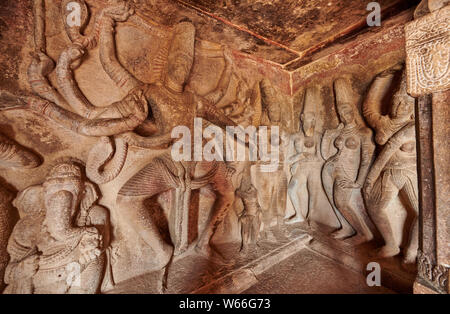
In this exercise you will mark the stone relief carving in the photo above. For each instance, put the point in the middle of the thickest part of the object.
(60, 243)
(63, 230)
(251, 217)
(271, 185)
(306, 163)
(12, 155)
(428, 51)
(394, 171)
(121, 118)
(437, 275)
(345, 171)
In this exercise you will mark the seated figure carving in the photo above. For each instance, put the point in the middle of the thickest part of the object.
(59, 244)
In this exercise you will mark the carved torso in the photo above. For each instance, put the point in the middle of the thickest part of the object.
(309, 147)
(171, 109)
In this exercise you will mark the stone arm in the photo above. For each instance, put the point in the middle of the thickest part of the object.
(391, 147)
(120, 117)
(16, 156)
(298, 142)
(373, 101)
(121, 77)
(215, 96)
(209, 112)
(23, 257)
(327, 143)
(99, 217)
(367, 151)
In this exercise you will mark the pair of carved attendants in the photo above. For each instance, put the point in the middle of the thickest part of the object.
(342, 161)
(62, 241)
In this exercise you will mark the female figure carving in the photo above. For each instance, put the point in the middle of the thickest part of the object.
(346, 171)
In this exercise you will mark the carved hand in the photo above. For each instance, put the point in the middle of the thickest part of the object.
(391, 71)
(348, 184)
(367, 189)
(41, 64)
(28, 267)
(90, 245)
(37, 104)
(228, 56)
(120, 11)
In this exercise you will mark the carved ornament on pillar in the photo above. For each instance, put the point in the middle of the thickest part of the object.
(437, 275)
(428, 53)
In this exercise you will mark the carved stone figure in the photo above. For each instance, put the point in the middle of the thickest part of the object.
(307, 162)
(394, 172)
(59, 244)
(123, 117)
(251, 217)
(345, 172)
(271, 183)
(173, 106)
(12, 155)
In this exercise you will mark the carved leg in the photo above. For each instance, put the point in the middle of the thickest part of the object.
(152, 180)
(328, 179)
(378, 210)
(225, 198)
(410, 193)
(298, 183)
(314, 187)
(343, 201)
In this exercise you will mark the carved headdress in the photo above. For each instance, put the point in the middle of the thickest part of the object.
(313, 100)
(403, 93)
(183, 40)
(345, 94)
(65, 170)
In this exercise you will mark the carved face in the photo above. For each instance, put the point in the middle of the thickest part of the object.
(403, 106)
(273, 105)
(179, 67)
(309, 123)
(72, 185)
(346, 113)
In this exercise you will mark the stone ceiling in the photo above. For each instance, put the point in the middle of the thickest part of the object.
(294, 29)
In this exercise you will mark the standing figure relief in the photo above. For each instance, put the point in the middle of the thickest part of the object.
(60, 243)
(394, 172)
(307, 162)
(271, 183)
(345, 172)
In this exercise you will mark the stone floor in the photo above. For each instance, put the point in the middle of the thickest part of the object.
(291, 262)
(309, 273)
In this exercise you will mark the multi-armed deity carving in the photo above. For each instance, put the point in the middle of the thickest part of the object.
(59, 244)
(345, 171)
(394, 171)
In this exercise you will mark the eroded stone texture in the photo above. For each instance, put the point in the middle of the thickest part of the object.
(109, 93)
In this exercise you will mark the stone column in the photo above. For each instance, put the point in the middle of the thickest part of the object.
(428, 70)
